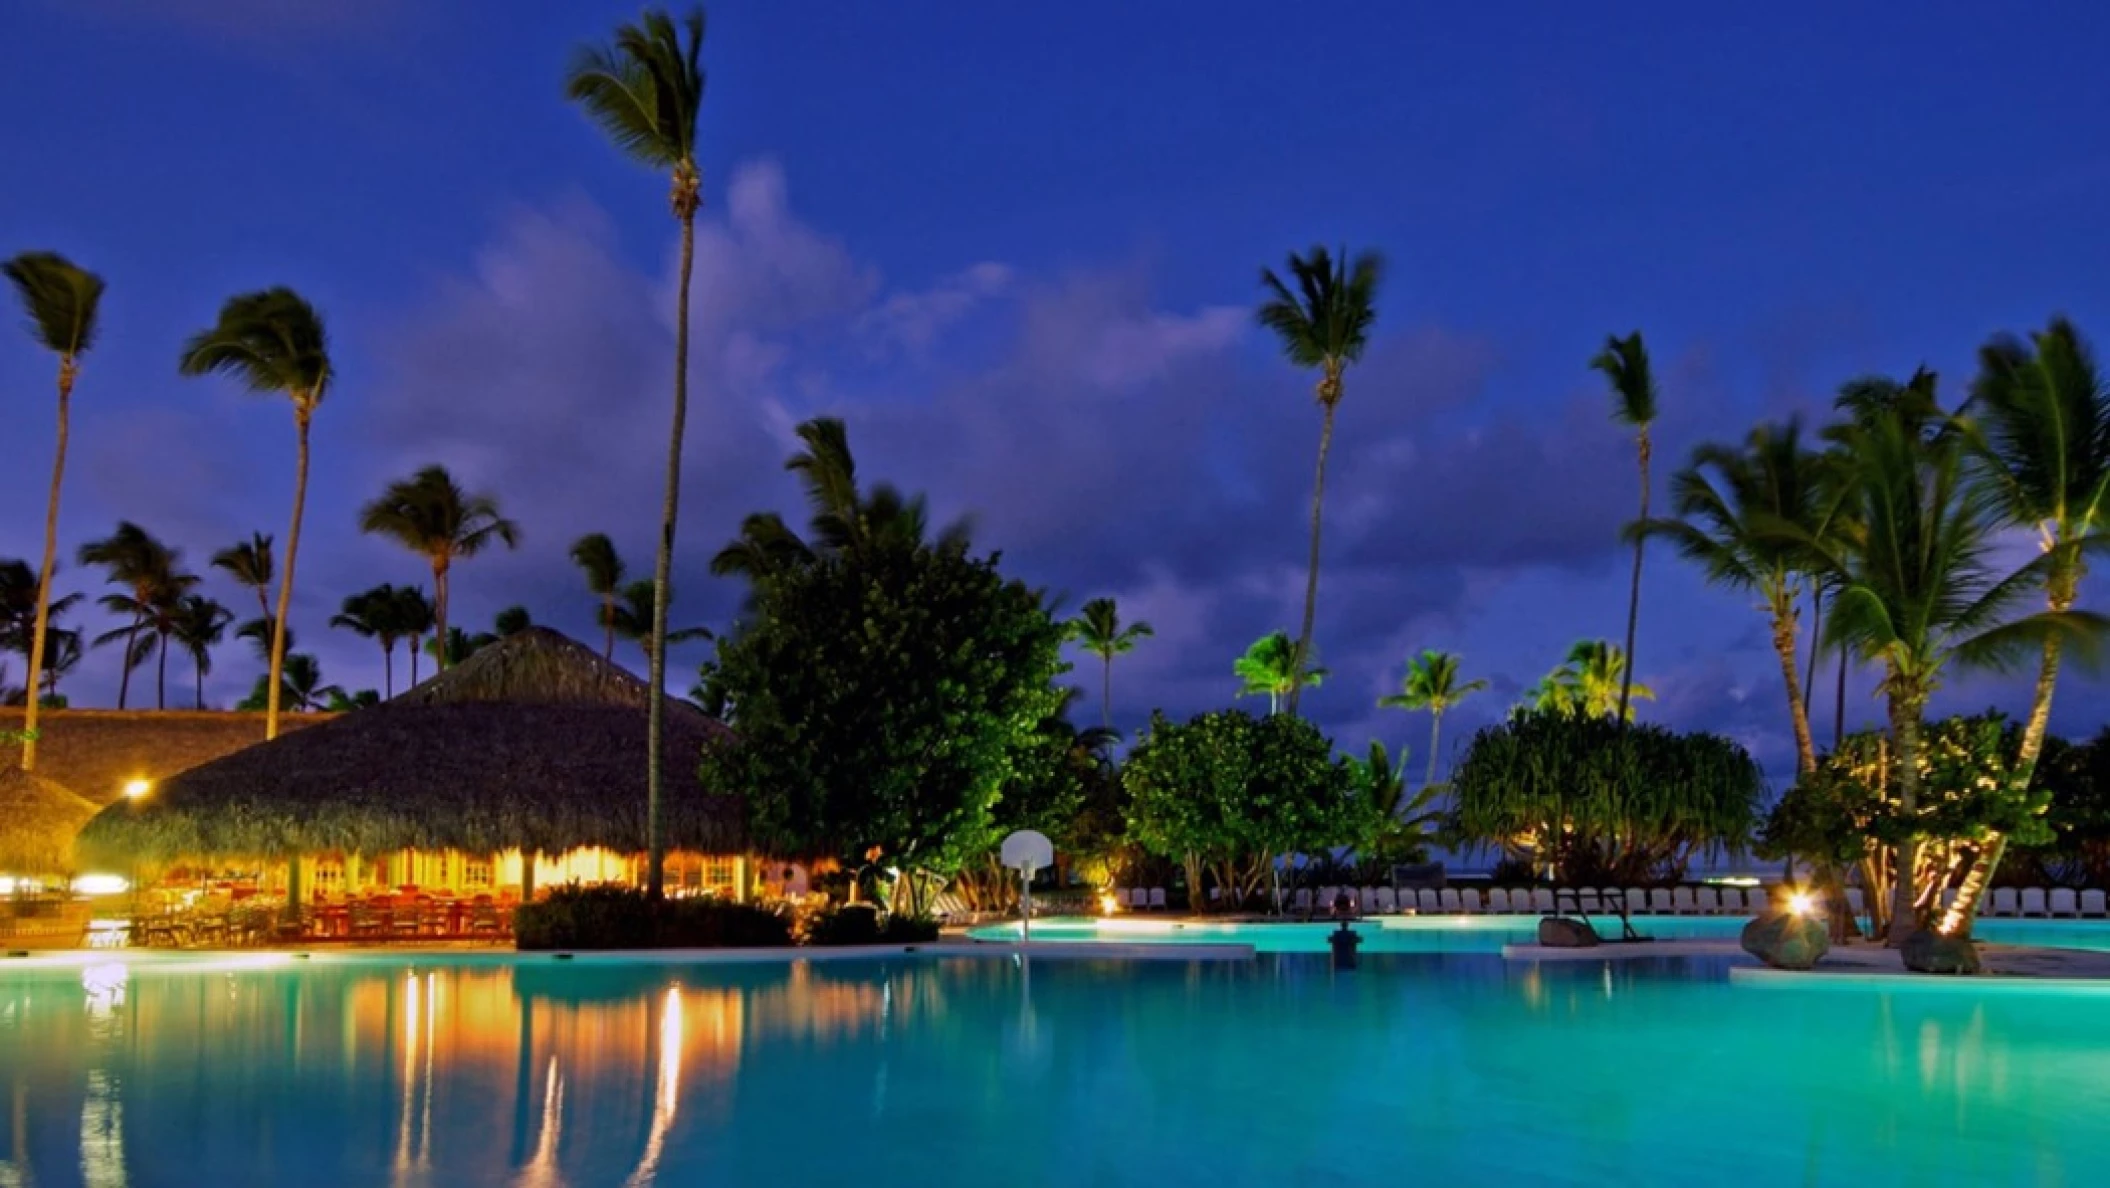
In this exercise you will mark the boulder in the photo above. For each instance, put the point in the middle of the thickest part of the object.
(1787, 940)
(1931, 952)
(1560, 932)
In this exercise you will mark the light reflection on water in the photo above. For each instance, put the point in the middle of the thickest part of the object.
(540, 1074)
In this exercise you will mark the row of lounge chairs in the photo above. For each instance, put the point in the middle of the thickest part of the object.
(1542, 901)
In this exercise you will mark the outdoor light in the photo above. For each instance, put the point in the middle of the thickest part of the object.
(1801, 903)
(1107, 903)
(134, 789)
(100, 884)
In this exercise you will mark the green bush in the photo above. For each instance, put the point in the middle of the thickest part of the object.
(621, 918)
(862, 924)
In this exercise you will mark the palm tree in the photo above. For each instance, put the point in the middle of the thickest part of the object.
(62, 654)
(249, 564)
(429, 514)
(147, 569)
(272, 342)
(460, 645)
(1325, 324)
(376, 614)
(632, 618)
(2042, 415)
(645, 89)
(414, 618)
(1624, 362)
(304, 692)
(595, 556)
(261, 634)
(62, 300)
(20, 602)
(1099, 631)
(1742, 515)
(1269, 668)
(200, 625)
(1590, 681)
(1431, 684)
(511, 621)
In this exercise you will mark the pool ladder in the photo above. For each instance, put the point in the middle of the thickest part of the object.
(1566, 901)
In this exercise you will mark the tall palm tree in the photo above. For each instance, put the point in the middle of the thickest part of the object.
(1269, 668)
(148, 572)
(376, 614)
(1742, 514)
(414, 618)
(200, 625)
(249, 564)
(1098, 630)
(644, 89)
(429, 514)
(274, 343)
(1431, 684)
(1324, 323)
(1591, 681)
(2041, 412)
(1624, 363)
(596, 557)
(632, 618)
(62, 300)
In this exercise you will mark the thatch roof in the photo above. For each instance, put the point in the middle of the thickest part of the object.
(535, 742)
(95, 752)
(38, 818)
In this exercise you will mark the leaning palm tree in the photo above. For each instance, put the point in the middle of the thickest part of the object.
(62, 300)
(429, 514)
(147, 572)
(1742, 513)
(1323, 323)
(1431, 684)
(596, 557)
(645, 89)
(1269, 669)
(2041, 412)
(272, 342)
(1098, 630)
(1624, 362)
(200, 625)
(248, 562)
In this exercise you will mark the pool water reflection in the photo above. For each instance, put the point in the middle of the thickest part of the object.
(941, 1071)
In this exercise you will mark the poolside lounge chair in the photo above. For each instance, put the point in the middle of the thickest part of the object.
(2094, 903)
(2033, 901)
(1301, 901)
(2004, 902)
(1387, 900)
(1366, 900)
(1542, 901)
(1469, 901)
(1587, 902)
(1682, 902)
(1448, 900)
(2064, 902)
(1708, 901)
(1758, 900)
(1636, 901)
(1498, 900)
(1427, 901)
(1659, 901)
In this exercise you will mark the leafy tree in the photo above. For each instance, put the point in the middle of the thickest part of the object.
(1227, 793)
(644, 89)
(152, 580)
(429, 514)
(1624, 364)
(922, 668)
(1591, 681)
(62, 300)
(1323, 323)
(248, 562)
(273, 342)
(596, 557)
(200, 624)
(1598, 800)
(1099, 631)
(1269, 669)
(1431, 684)
(1062, 784)
(1395, 826)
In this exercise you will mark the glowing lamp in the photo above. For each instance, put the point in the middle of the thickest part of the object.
(1802, 903)
(1108, 904)
(134, 789)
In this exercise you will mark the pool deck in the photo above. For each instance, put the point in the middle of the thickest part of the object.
(196, 959)
(2012, 965)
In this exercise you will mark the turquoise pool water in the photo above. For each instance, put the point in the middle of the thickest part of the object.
(1475, 934)
(1455, 1068)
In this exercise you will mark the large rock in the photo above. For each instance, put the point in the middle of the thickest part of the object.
(1787, 940)
(1931, 952)
(1560, 932)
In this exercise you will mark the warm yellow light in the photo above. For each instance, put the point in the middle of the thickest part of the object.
(1801, 903)
(134, 789)
(100, 884)
(1108, 904)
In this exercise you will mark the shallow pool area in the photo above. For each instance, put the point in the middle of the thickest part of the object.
(1417, 1068)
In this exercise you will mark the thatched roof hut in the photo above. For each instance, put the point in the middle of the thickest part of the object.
(535, 743)
(96, 753)
(38, 819)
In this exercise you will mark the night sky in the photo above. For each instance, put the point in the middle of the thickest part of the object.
(1016, 248)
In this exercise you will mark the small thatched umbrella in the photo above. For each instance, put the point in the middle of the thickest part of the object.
(534, 743)
(38, 821)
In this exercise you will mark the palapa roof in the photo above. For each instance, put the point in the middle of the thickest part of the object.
(38, 819)
(535, 742)
(94, 753)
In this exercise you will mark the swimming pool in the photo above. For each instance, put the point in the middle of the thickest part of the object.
(1419, 1068)
(1473, 934)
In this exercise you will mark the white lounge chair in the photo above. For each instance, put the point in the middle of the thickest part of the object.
(1135, 899)
(1469, 900)
(2064, 902)
(1682, 902)
(1386, 900)
(1498, 900)
(1659, 901)
(2033, 901)
(1758, 900)
(1587, 902)
(1447, 899)
(1157, 899)
(1301, 901)
(1636, 901)
(1366, 900)
(2094, 903)
(1708, 901)
(1427, 901)
(2004, 902)
(1542, 901)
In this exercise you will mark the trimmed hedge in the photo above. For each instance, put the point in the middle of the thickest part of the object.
(861, 924)
(621, 918)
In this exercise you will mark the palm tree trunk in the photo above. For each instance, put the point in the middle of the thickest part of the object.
(301, 414)
(50, 568)
(663, 563)
(198, 675)
(415, 644)
(1106, 693)
(1809, 682)
(608, 627)
(161, 672)
(1435, 725)
(1299, 660)
(1971, 891)
(1633, 599)
(124, 680)
(388, 669)
(1839, 704)
(1905, 730)
(1798, 708)
(439, 612)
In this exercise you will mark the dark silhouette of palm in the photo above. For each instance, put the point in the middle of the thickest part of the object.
(429, 514)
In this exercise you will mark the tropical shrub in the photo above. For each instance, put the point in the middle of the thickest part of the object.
(865, 924)
(1600, 801)
(623, 918)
